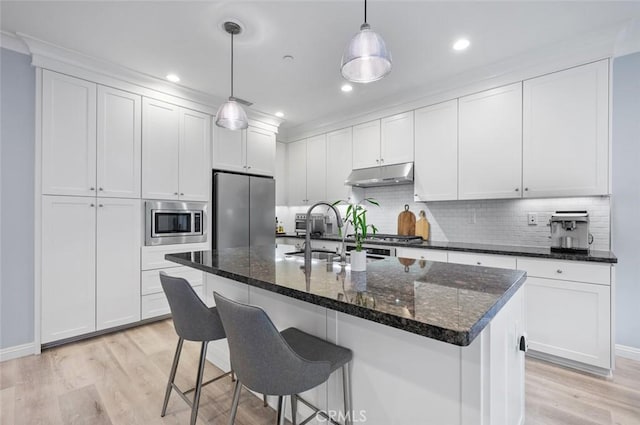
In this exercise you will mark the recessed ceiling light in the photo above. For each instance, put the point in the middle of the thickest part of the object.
(287, 58)
(279, 114)
(346, 88)
(461, 44)
(173, 78)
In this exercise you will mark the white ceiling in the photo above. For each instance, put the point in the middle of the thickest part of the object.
(156, 38)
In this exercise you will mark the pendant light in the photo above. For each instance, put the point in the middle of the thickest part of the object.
(231, 115)
(366, 58)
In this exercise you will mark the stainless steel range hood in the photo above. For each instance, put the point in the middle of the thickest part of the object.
(386, 175)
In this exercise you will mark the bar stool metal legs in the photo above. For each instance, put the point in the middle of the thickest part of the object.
(172, 376)
(346, 389)
(196, 396)
(294, 409)
(282, 401)
(234, 404)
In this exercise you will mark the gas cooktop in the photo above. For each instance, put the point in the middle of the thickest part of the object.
(382, 237)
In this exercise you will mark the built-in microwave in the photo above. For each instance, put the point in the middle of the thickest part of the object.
(171, 222)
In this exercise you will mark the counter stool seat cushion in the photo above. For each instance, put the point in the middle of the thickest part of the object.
(315, 349)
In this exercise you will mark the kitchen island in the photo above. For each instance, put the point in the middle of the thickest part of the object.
(434, 343)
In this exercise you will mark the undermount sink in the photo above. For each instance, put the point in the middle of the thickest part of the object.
(317, 254)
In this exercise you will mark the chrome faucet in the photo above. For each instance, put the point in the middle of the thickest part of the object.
(307, 238)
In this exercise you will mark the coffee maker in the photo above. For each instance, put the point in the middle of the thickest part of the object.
(570, 231)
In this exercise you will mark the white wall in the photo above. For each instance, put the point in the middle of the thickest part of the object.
(626, 197)
(17, 155)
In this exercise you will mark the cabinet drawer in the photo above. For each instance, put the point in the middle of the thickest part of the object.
(422, 254)
(328, 245)
(151, 278)
(155, 305)
(567, 270)
(485, 260)
(153, 256)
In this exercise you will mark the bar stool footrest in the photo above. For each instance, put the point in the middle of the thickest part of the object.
(316, 412)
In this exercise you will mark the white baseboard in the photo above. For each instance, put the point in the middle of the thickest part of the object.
(627, 352)
(17, 351)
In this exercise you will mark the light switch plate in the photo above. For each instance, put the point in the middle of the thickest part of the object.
(532, 219)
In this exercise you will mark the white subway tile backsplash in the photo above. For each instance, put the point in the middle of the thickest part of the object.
(501, 221)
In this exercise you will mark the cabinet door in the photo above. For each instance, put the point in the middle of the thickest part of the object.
(261, 151)
(160, 149)
(316, 169)
(281, 174)
(229, 150)
(490, 141)
(119, 143)
(297, 167)
(119, 238)
(339, 164)
(68, 135)
(195, 172)
(571, 320)
(566, 133)
(436, 149)
(396, 134)
(366, 145)
(68, 267)
(484, 260)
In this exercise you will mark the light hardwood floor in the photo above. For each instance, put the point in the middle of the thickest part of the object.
(120, 379)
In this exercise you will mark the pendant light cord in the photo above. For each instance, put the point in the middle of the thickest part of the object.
(232, 64)
(365, 11)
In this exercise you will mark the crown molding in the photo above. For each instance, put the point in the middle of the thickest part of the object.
(11, 42)
(576, 51)
(61, 59)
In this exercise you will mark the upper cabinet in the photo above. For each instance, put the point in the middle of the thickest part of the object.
(566, 133)
(119, 143)
(436, 151)
(383, 142)
(316, 169)
(297, 168)
(396, 139)
(68, 135)
(339, 164)
(490, 144)
(281, 174)
(175, 154)
(250, 151)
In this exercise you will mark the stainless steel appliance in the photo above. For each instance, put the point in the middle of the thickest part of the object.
(570, 231)
(318, 224)
(374, 252)
(385, 175)
(395, 238)
(171, 222)
(243, 210)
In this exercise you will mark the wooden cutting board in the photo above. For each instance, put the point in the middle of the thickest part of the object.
(422, 226)
(406, 222)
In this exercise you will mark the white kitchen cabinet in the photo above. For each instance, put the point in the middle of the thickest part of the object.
(153, 256)
(248, 151)
(155, 305)
(436, 152)
(396, 139)
(316, 169)
(281, 174)
(151, 278)
(68, 267)
(490, 144)
(175, 152)
(118, 262)
(366, 145)
(566, 132)
(570, 320)
(228, 150)
(485, 260)
(297, 167)
(261, 151)
(339, 164)
(119, 146)
(68, 135)
(160, 149)
(422, 254)
(194, 169)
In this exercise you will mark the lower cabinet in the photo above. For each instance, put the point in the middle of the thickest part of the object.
(90, 259)
(422, 254)
(485, 260)
(568, 319)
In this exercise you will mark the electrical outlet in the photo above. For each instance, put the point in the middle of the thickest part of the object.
(532, 219)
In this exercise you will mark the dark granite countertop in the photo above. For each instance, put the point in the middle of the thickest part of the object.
(447, 302)
(513, 250)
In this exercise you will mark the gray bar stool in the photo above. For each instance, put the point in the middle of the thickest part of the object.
(193, 321)
(283, 363)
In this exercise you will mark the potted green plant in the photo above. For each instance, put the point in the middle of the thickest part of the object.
(356, 216)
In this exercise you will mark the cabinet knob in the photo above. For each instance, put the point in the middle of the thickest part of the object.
(479, 263)
(100, 189)
(181, 194)
(422, 257)
(100, 205)
(92, 188)
(92, 205)
(526, 189)
(377, 161)
(517, 189)
(175, 193)
(248, 167)
(559, 271)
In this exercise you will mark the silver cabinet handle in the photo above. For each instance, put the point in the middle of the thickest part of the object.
(92, 205)
(422, 257)
(381, 159)
(248, 167)
(92, 188)
(181, 194)
(479, 263)
(559, 271)
(377, 161)
(100, 189)
(517, 189)
(526, 189)
(100, 205)
(175, 193)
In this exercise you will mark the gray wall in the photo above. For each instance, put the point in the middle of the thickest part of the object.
(17, 154)
(625, 208)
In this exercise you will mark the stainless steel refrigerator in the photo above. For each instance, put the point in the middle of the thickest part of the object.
(243, 210)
